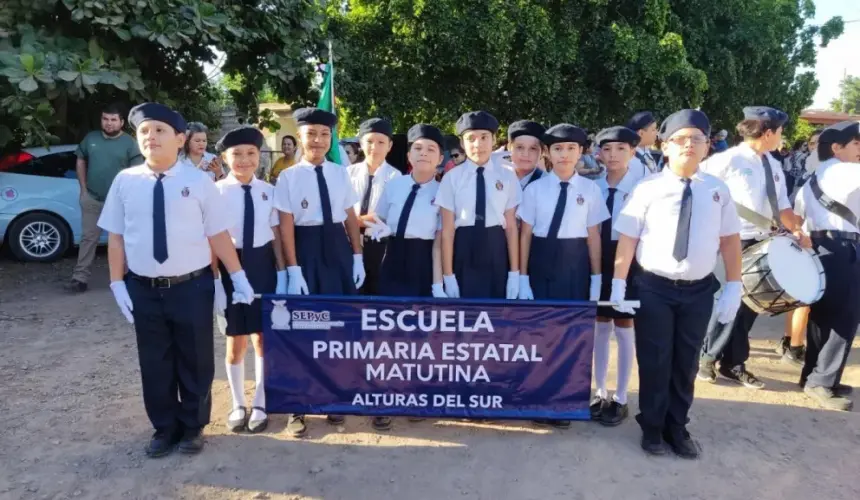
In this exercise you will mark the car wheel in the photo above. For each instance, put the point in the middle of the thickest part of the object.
(38, 237)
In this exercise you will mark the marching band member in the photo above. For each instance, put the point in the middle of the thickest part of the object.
(250, 203)
(407, 217)
(756, 183)
(162, 218)
(830, 202)
(617, 146)
(318, 223)
(560, 241)
(369, 178)
(644, 124)
(479, 232)
(524, 144)
(675, 223)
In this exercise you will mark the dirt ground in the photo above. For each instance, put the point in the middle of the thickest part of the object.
(75, 428)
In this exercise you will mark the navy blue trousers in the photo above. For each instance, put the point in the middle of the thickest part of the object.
(175, 347)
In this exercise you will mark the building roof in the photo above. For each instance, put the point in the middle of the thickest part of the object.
(826, 117)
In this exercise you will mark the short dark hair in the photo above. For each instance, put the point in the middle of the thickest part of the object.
(293, 139)
(825, 149)
(112, 109)
(815, 132)
(753, 129)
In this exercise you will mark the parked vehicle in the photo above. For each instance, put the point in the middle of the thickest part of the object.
(40, 212)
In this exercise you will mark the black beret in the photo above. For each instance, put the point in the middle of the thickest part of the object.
(686, 118)
(238, 137)
(765, 113)
(525, 127)
(477, 120)
(641, 120)
(378, 125)
(565, 132)
(424, 131)
(840, 133)
(314, 116)
(617, 134)
(157, 112)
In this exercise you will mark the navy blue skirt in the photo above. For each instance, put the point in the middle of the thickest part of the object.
(607, 270)
(260, 268)
(373, 252)
(407, 268)
(481, 262)
(559, 269)
(325, 256)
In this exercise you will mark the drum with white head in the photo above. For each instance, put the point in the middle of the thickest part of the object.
(779, 275)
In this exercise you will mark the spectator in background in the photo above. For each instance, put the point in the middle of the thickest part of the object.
(456, 155)
(794, 166)
(719, 143)
(101, 155)
(288, 147)
(353, 152)
(194, 152)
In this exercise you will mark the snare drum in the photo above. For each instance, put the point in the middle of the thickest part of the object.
(779, 276)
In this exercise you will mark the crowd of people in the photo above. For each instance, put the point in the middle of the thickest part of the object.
(530, 222)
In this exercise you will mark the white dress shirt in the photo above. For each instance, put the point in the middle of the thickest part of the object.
(424, 219)
(584, 206)
(358, 175)
(528, 177)
(841, 182)
(741, 169)
(651, 214)
(265, 215)
(193, 212)
(622, 194)
(458, 188)
(297, 192)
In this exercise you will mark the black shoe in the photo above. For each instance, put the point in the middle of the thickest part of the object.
(415, 419)
(742, 376)
(541, 423)
(75, 286)
(707, 371)
(237, 424)
(191, 442)
(162, 444)
(842, 390)
(653, 444)
(682, 444)
(613, 414)
(783, 345)
(335, 419)
(560, 424)
(794, 356)
(380, 423)
(258, 426)
(296, 426)
(596, 406)
(827, 399)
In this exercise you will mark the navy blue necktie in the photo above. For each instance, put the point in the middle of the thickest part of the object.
(770, 188)
(248, 222)
(328, 236)
(407, 209)
(685, 215)
(606, 227)
(480, 200)
(555, 224)
(365, 202)
(325, 200)
(159, 223)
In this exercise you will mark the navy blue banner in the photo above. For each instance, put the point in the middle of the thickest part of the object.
(428, 357)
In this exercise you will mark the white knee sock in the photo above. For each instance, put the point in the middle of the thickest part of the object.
(626, 351)
(602, 331)
(236, 377)
(260, 391)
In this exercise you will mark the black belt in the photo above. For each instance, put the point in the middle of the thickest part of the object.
(836, 235)
(167, 282)
(670, 281)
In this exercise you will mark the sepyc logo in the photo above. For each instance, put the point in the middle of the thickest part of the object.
(313, 320)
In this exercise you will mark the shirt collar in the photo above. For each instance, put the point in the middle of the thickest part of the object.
(669, 174)
(573, 180)
(170, 172)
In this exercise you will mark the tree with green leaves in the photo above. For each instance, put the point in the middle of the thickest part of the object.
(62, 60)
(849, 96)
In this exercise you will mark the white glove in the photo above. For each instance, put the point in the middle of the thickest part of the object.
(452, 289)
(377, 229)
(525, 288)
(513, 288)
(242, 291)
(297, 284)
(281, 284)
(619, 288)
(729, 302)
(220, 297)
(438, 292)
(358, 274)
(120, 293)
(594, 290)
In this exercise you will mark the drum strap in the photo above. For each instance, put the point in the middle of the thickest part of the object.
(830, 204)
(755, 218)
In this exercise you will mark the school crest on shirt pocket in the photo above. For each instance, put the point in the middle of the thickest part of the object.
(579, 199)
(776, 177)
(265, 197)
(185, 192)
(716, 196)
(305, 203)
(499, 186)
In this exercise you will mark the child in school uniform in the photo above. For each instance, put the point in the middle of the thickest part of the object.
(560, 239)
(253, 228)
(617, 147)
(319, 227)
(478, 198)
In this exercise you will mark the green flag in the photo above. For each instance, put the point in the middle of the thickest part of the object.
(326, 103)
